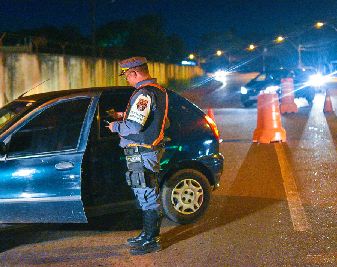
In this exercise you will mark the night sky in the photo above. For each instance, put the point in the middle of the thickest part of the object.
(188, 18)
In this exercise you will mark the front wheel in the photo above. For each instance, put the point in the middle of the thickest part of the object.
(185, 196)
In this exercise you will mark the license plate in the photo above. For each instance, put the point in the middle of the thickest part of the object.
(134, 158)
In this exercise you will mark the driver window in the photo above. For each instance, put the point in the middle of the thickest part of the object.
(56, 128)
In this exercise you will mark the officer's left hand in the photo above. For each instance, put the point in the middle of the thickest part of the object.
(110, 126)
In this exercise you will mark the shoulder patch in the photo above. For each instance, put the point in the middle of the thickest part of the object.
(140, 109)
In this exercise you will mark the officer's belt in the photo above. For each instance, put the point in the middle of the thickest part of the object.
(142, 148)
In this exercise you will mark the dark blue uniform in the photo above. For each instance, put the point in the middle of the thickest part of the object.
(143, 125)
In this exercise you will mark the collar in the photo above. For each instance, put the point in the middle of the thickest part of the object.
(145, 82)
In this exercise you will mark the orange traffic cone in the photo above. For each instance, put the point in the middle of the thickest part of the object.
(327, 103)
(269, 128)
(287, 101)
(210, 114)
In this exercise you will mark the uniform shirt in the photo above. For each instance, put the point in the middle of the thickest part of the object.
(137, 117)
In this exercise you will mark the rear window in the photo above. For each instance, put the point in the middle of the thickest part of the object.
(186, 117)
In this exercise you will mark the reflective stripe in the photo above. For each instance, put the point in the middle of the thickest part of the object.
(161, 134)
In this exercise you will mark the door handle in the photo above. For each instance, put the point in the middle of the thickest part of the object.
(64, 165)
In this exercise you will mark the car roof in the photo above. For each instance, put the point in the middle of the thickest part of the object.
(54, 94)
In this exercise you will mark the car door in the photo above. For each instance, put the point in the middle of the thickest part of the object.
(40, 176)
(105, 161)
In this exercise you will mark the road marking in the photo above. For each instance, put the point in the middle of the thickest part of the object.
(297, 213)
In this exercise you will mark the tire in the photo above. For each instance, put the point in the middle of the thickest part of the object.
(178, 204)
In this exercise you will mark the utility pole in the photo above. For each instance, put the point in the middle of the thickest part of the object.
(264, 59)
(299, 49)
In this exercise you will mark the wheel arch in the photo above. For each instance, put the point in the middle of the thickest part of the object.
(192, 164)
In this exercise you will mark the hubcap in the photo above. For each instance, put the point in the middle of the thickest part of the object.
(187, 196)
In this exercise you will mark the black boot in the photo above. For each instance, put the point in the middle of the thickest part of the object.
(136, 241)
(151, 240)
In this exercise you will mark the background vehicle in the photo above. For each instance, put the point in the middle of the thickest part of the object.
(271, 81)
(59, 163)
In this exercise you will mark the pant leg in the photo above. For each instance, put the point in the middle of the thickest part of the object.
(148, 198)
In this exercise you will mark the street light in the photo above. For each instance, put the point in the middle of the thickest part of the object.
(318, 25)
(251, 47)
(219, 53)
(191, 56)
(279, 39)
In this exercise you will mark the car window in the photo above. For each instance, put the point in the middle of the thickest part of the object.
(56, 128)
(184, 118)
(13, 110)
(116, 101)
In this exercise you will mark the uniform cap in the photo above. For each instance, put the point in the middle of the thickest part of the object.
(130, 63)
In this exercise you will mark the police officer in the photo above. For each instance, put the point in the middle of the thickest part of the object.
(142, 133)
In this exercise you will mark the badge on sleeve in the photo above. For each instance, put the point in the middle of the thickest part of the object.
(140, 109)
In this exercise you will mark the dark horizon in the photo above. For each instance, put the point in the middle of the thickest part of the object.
(189, 19)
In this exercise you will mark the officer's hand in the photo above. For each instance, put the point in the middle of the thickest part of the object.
(112, 113)
(110, 126)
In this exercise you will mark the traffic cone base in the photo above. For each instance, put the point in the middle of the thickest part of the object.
(288, 108)
(269, 136)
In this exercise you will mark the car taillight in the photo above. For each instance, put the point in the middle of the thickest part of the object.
(213, 127)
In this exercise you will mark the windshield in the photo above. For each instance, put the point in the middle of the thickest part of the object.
(261, 77)
(12, 111)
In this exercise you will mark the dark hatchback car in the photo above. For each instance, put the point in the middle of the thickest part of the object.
(271, 82)
(60, 164)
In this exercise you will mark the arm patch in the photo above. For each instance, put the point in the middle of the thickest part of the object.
(140, 110)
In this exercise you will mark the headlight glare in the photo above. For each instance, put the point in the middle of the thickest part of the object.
(317, 80)
(244, 90)
(271, 89)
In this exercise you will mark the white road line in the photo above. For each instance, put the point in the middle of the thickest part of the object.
(297, 213)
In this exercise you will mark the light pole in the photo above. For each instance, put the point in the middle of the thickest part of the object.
(299, 48)
(252, 47)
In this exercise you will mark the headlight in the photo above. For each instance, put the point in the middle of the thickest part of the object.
(317, 80)
(221, 76)
(271, 89)
(244, 90)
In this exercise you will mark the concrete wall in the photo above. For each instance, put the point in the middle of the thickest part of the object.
(20, 72)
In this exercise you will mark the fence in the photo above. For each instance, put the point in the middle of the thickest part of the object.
(20, 72)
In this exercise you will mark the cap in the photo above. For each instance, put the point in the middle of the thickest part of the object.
(130, 63)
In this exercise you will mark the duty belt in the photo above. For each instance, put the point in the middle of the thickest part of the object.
(143, 148)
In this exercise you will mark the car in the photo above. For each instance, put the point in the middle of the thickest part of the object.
(60, 164)
(270, 81)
